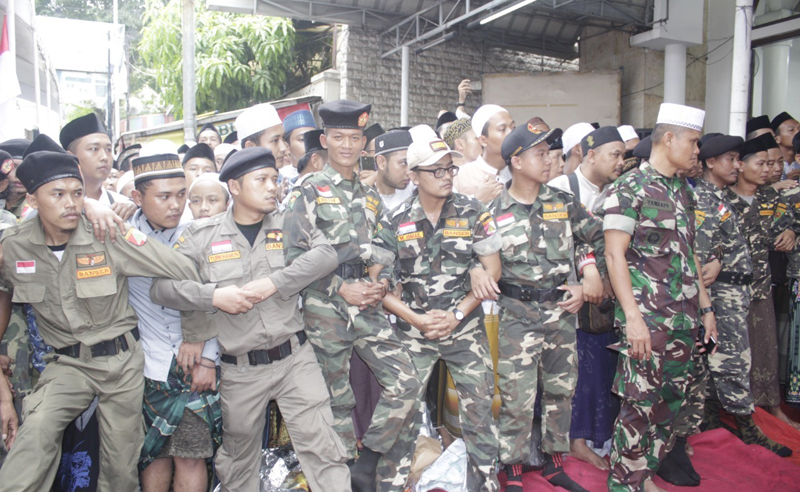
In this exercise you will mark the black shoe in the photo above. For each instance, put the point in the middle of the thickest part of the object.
(363, 472)
(554, 473)
(676, 468)
(514, 482)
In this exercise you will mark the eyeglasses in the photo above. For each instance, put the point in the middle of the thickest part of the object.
(439, 173)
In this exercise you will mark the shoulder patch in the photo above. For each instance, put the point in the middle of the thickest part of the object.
(293, 197)
(136, 237)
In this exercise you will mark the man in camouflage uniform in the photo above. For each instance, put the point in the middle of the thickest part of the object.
(436, 236)
(537, 324)
(768, 223)
(649, 233)
(342, 311)
(727, 273)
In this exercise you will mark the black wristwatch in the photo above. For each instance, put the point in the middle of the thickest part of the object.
(459, 314)
(706, 310)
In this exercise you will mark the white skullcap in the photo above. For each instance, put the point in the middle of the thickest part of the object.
(223, 149)
(680, 115)
(575, 134)
(212, 178)
(482, 115)
(627, 132)
(256, 118)
(126, 178)
(426, 147)
(158, 146)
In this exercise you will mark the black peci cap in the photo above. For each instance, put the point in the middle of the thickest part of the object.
(776, 121)
(752, 146)
(231, 137)
(601, 136)
(717, 144)
(245, 161)
(42, 143)
(88, 124)
(758, 123)
(199, 150)
(392, 141)
(373, 131)
(643, 148)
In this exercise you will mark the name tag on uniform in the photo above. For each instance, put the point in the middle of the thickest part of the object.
(231, 255)
(94, 272)
(555, 215)
(221, 247)
(457, 233)
(658, 204)
(410, 236)
(26, 266)
(321, 200)
(505, 220)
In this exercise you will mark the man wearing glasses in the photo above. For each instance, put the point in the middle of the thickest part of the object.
(436, 236)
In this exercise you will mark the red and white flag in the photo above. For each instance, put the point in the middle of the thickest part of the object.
(9, 86)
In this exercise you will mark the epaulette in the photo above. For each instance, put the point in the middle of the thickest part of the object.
(467, 202)
(12, 231)
(401, 209)
(204, 223)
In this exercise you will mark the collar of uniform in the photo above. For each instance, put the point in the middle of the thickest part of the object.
(81, 236)
(417, 213)
(139, 221)
(507, 201)
(704, 184)
(228, 225)
(334, 175)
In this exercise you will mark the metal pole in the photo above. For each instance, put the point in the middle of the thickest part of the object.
(740, 77)
(404, 87)
(675, 74)
(37, 84)
(189, 82)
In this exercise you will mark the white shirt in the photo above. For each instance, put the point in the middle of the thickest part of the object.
(589, 191)
(473, 174)
(159, 327)
(107, 195)
(390, 202)
(288, 172)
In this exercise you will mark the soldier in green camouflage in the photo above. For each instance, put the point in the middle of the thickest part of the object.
(537, 321)
(342, 311)
(649, 232)
(436, 236)
(727, 273)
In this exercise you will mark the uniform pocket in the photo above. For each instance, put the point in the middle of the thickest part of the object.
(558, 240)
(28, 293)
(457, 253)
(653, 241)
(638, 380)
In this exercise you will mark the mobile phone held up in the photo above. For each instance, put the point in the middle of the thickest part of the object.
(712, 342)
(367, 163)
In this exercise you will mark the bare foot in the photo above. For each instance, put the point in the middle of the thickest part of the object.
(578, 449)
(650, 486)
(776, 411)
(689, 449)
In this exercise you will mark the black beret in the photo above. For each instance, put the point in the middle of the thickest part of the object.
(231, 137)
(643, 148)
(752, 146)
(183, 149)
(446, 117)
(123, 159)
(392, 141)
(345, 114)
(40, 143)
(769, 141)
(718, 144)
(199, 150)
(601, 136)
(557, 144)
(208, 126)
(87, 124)
(158, 166)
(776, 121)
(373, 132)
(6, 164)
(523, 138)
(311, 140)
(43, 167)
(16, 147)
(758, 123)
(246, 161)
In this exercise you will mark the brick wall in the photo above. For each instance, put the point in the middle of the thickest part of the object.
(434, 74)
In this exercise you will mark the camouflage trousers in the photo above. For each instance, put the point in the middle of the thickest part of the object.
(470, 364)
(538, 347)
(335, 329)
(652, 393)
(16, 345)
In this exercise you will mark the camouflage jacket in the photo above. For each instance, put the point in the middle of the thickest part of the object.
(792, 198)
(538, 243)
(433, 262)
(719, 235)
(658, 212)
(761, 222)
(345, 211)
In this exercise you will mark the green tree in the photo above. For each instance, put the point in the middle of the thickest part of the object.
(240, 59)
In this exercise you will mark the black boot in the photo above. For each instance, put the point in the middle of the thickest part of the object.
(514, 482)
(554, 473)
(363, 472)
(749, 433)
(676, 468)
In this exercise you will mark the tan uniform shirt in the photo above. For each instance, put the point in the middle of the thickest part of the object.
(84, 297)
(224, 256)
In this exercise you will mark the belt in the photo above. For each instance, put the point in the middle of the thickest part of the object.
(735, 278)
(351, 270)
(260, 357)
(530, 294)
(109, 347)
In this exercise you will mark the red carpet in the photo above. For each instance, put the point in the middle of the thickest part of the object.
(725, 463)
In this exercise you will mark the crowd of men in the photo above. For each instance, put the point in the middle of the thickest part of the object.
(172, 293)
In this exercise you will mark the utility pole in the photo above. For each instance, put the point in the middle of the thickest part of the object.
(189, 81)
(740, 77)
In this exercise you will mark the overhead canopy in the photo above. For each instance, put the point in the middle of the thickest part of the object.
(547, 27)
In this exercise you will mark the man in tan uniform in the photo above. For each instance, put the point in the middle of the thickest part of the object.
(78, 288)
(265, 354)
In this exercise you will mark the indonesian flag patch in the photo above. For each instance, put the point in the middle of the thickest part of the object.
(136, 237)
(325, 191)
(221, 247)
(505, 220)
(26, 266)
(407, 227)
